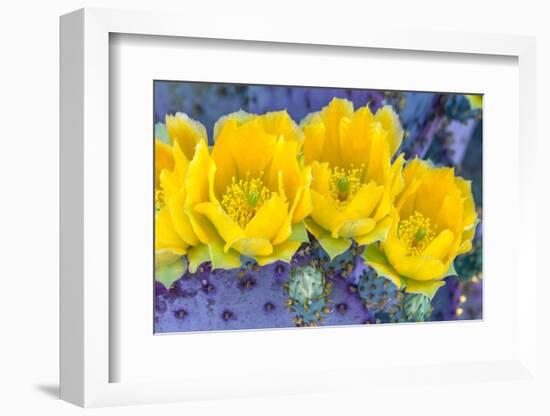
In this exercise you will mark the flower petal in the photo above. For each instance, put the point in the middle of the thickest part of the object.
(355, 138)
(186, 132)
(252, 148)
(427, 288)
(320, 178)
(284, 164)
(332, 116)
(439, 247)
(282, 252)
(168, 273)
(281, 124)
(363, 203)
(379, 233)
(166, 238)
(324, 213)
(379, 165)
(222, 259)
(352, 228)
(420, 267)
(314, 228)
(268, 219)
(163, 159)
(225, 165)
(376, 259)
(390, 122)
(314, 138)
(196, 182)
(197, 255)
(226, 227)
(334, 246)
(251, 247)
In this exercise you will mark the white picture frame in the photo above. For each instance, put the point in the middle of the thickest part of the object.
(87, 302)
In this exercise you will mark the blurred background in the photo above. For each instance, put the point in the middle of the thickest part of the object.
(443, 127)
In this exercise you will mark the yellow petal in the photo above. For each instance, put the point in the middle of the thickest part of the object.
(174, 196)
(284, 163)
(324, 213)
(355, 138)
(314, 228)
(353, 228)
(251, 247)
(449, 213)
(224, 224)
(186, 132)
(180, 220)
(166, 237)
(467, 237)
(203, 229)
(251, 148)
(420, 267)
(439, 247)
(415, 169)
(437, 184)
(465, 187)
(364, 201)
(376, 259)
(320, 178)
(236, 118)
(464, 247)
(332, 116)
(163, 159)
(196, 181)
(304, 206)
(398, 183)
(379, 233)
(268, 220)
(280, 124)
(390, 122)
(282, 252)
(181, 163)
(428, 288)
(314, 138)
(392, 247)
(197, 255)
(222, 259)
(226, 167)
(379, 164)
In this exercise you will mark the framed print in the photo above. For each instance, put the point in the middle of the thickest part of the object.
(298, 231)
(240, 216)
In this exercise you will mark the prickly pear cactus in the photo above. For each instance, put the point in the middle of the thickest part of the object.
(413, 308)
(378, 293)
(308, 295)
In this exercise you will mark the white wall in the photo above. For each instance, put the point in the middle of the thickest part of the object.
(29, 171)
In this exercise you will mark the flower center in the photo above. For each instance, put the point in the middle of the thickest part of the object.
(416, 232)
(244, 197)
(344, 184)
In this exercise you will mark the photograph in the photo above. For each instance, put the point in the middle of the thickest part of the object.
(279, 206)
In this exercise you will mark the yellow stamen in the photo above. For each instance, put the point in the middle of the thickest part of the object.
(244, 197)
(344, 184)
(416, 233)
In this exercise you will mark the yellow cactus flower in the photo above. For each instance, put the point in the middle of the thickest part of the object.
(354, 182)
(258, 192)
(435, 220)
(182, 184)
(163, 161)
(277, 123)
